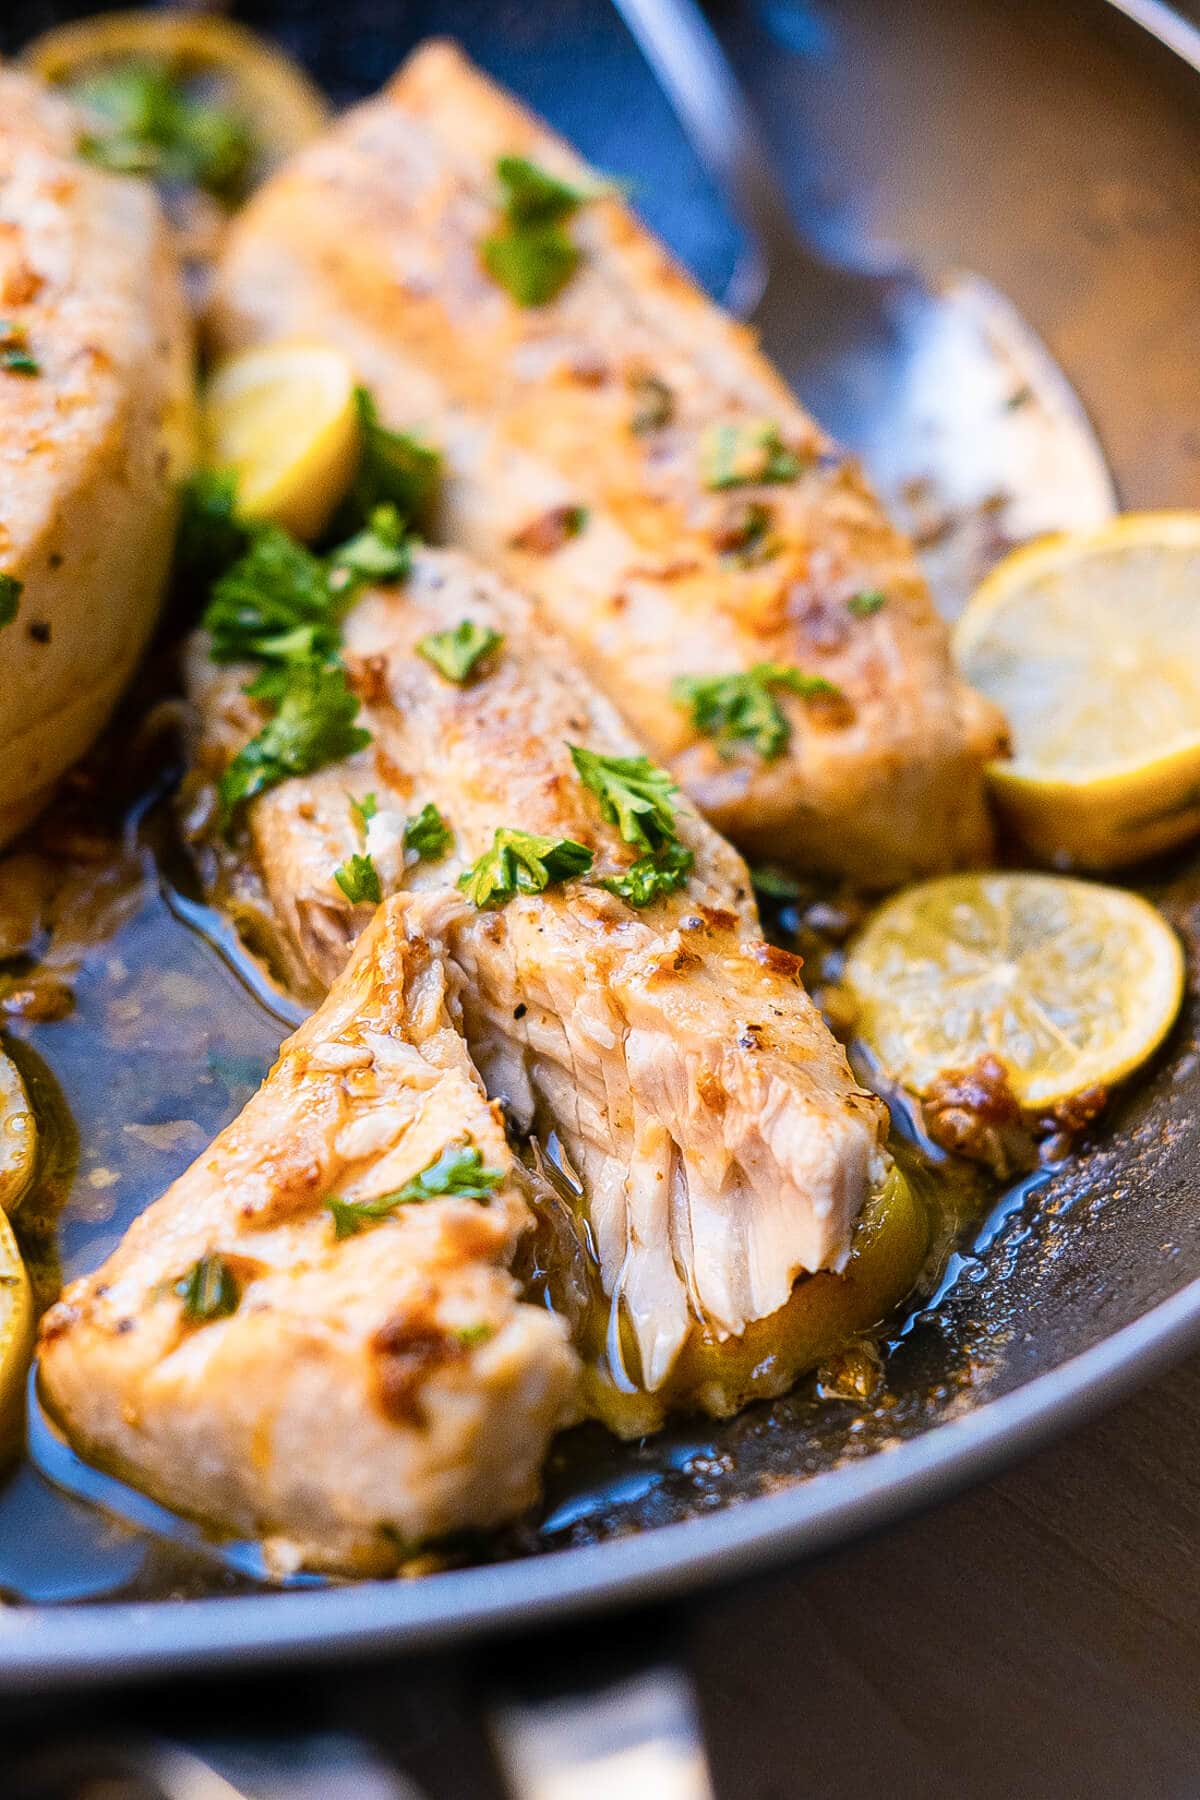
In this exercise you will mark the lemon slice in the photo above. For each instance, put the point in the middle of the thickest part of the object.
(253, 78)
(283, 419)
(18, 1136)
(1069, 984)
(16, 1335)
(1091, 645)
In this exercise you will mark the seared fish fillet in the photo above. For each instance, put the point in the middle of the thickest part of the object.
(608, 398)
(720, 1143)
(95, 424)
(367, 1392)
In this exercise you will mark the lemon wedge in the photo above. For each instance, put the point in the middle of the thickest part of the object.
(16, 1335)
(1069, 984)
(283, 419)
(18, 1136)
(1091, 645)
(253, 78)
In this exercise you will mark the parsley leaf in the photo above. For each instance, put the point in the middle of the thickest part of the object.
(634, 794)
(208, 1290)
(149, 125)
(776, 884)
(394, 469)
(741, 454)
(363, 811)
(456, 653)
(869, 601)
(10, 598)
(531, 255)
(359, 880)
(427, 834)
(380, 552)
(457, 1170)
(520, 863)
(732, 708)
(210, 535)
(651, 877)
(313, 726)
(15, 354)
(274, 604)
(532, 196)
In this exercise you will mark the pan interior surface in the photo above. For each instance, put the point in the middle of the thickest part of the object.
(1095, 234)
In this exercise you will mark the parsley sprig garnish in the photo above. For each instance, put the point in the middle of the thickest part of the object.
(867, 602)
(359, 880)
(743, 707)
(651, 877)
(521, 863)
(148, 124)
(457, 653)
(531, 255)
(208, 1290)
(427, 834)
(743, 454)
(15, 354)
(458, 1170)
(635, 795)
(394, 469)
(314, 725)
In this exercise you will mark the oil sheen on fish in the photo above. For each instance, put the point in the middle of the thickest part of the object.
(721, 1146)
(626, 454)
(343, 1394)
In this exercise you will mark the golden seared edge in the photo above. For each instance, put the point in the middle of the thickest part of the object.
(369, 239)
(369, 1393)
(721, 1143)
(91, 443)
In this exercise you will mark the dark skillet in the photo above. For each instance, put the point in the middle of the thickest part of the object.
(1056, 151)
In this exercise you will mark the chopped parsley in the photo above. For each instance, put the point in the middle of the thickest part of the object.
(654, 404)
(208, 1290)
(427, 834)
(867, 602)
(635, 795)
(470, 1335)
(457, 653)
(651, 877)
(363, 811)
(210, 536)
(274, 604)
(313, 726)
(380, 552)
(741, 455)
(394, 469)
(15, 354)
(742, 707)
(520, 863)
(359, 880)
(10, 598)
(751, 539)
(148, 124)
(776, 884)
(458, 1170)
(531, 256)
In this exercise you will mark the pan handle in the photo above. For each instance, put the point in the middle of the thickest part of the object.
(637, 1736)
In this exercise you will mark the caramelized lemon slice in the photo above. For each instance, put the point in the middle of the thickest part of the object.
(283, 419)
(251, 77)
(18, 1136)
(1091, 645)
(1069, 984)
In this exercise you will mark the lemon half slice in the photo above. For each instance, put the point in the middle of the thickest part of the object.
(1069, 984)
(1091, 645)
(283, 419)
(18, 1136)
(16, 1336)
(265, 87)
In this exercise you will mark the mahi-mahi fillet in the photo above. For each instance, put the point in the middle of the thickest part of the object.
(367, 1392)
(604, 399)
(722, 1145)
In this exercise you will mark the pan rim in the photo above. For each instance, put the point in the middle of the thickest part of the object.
(93, 1644)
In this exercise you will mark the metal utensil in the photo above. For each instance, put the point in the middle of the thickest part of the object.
(962, 417)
